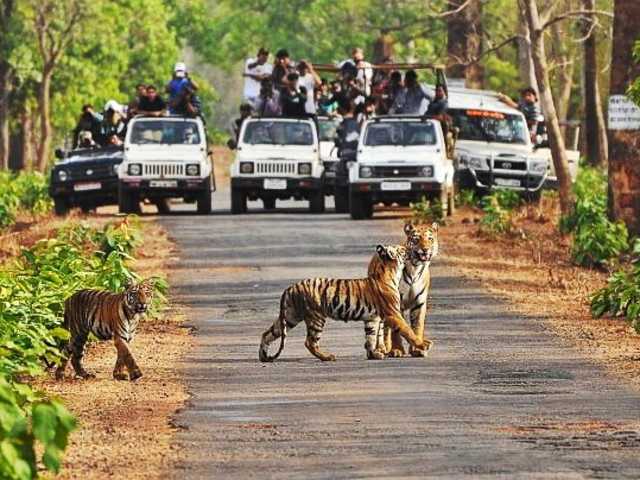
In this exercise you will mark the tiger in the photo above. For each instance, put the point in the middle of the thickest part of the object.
(422, 246)
(107, 315)
(370, 299)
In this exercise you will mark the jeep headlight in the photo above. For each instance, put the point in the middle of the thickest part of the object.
(366, 172)
(246, 167)
(427, 171)
(193, 169)
(63, 176)
(477, 163)
(135, 169)
(304, 169)
(539, 166)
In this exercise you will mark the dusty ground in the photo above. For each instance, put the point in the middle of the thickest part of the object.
(533, 272)
(125, 429)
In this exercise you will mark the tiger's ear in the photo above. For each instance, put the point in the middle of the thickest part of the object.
(382, 252)
(434, 227)
(128, 283)
(409, 229)
(148, 285)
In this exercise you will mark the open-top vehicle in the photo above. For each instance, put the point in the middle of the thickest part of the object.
(399, 161)
(165, 157)
(86, 178)
(277, 158)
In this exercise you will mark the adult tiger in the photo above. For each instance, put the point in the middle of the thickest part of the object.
(367, 299)
(107, 315)
(422, 247)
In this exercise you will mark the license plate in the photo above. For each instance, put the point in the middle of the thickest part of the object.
(395, 186)
(275, 184)
(83, 187)
(163, 183)
(507, 182)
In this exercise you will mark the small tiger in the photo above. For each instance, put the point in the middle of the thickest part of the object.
(366, 299)
(107, 315)
(422, 247)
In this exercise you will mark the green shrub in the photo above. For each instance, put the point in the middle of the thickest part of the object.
(621, 296)
(32, 292)
(427, 211)
(466, 197)
(596, 239)
(498, 211)
(22, 192)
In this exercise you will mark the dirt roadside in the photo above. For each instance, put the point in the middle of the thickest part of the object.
(125, 428)
(533, 273)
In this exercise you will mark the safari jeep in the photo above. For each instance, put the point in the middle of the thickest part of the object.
(399, 161)
(165, 157)
(494, 148)
(277, 158)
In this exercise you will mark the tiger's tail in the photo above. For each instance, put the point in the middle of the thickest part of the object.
(278, 329)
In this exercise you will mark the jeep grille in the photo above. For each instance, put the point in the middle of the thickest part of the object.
(164, 169)
(276, 168)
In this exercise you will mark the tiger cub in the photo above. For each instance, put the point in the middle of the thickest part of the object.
(367, 299)
(422, 247)
(107, 315)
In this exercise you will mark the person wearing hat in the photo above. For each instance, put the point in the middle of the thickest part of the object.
(178, 83)
(255, 71)
(112, 121)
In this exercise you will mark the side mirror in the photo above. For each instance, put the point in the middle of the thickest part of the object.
(232, 144)
(59, 153)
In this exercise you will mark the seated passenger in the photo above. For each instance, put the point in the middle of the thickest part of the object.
(189, 136)
(411, 98)
(89, 121)
(187, 103)
(236, 125)
(113, 121)
(134, 105)
(268, 102)
(85, 140)
(152, 105)
(438, 105)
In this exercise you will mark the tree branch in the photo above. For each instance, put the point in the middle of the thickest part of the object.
(574, 13)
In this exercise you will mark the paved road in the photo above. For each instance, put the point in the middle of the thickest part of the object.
(497, 398)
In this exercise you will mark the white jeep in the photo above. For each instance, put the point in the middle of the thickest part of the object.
(399, 161)
(277, 158)
(165, 157)
(494, 148)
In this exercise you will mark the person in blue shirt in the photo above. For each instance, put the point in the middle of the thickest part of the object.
(177, 86)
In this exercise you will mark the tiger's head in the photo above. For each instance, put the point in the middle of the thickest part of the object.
(138, 296)
(388, 262)
(422, 243)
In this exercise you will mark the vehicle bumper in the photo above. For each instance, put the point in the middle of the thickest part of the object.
(254, 186)
(106, 195)
(490, 179)
(181, 187)
(417, 190)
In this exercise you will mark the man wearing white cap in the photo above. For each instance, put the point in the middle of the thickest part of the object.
(179, 81)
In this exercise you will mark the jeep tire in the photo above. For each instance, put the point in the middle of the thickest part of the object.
(163, 206)
(238, 201)
(316, 201)
(128, 202)
(269, 203)
(204, 198)
(341, 199)
(60, 206)
(360, 206)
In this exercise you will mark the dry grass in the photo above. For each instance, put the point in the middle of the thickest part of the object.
(532, 271)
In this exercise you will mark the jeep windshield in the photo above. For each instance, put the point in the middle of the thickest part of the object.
(489, 126)
(400, 134)
(327, 129)
(165, 132)
(278, 133)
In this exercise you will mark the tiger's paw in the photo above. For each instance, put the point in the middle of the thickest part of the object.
(119, 376)
(396, 353)
(328, 357)
(418, 353)
(85, 375)
(375, 355)
(135, 375)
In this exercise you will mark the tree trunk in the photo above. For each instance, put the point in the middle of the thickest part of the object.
(464, 43)
(624, 145)
(556, 141)
(26, 132)
(564, 69)
(44, 105)
(5, 92)
(383, 48)
(525, 59)
(595, 128)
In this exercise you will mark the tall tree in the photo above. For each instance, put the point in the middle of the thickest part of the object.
(624, 145)
(556, 141)
(464, 42)
(7, 40)
(595, 128)
(55, 23)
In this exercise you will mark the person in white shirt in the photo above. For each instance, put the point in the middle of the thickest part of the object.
(255, 71)
(364, 73)
(309, 79)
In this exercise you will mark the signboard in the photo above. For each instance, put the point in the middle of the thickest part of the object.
(623, 113)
